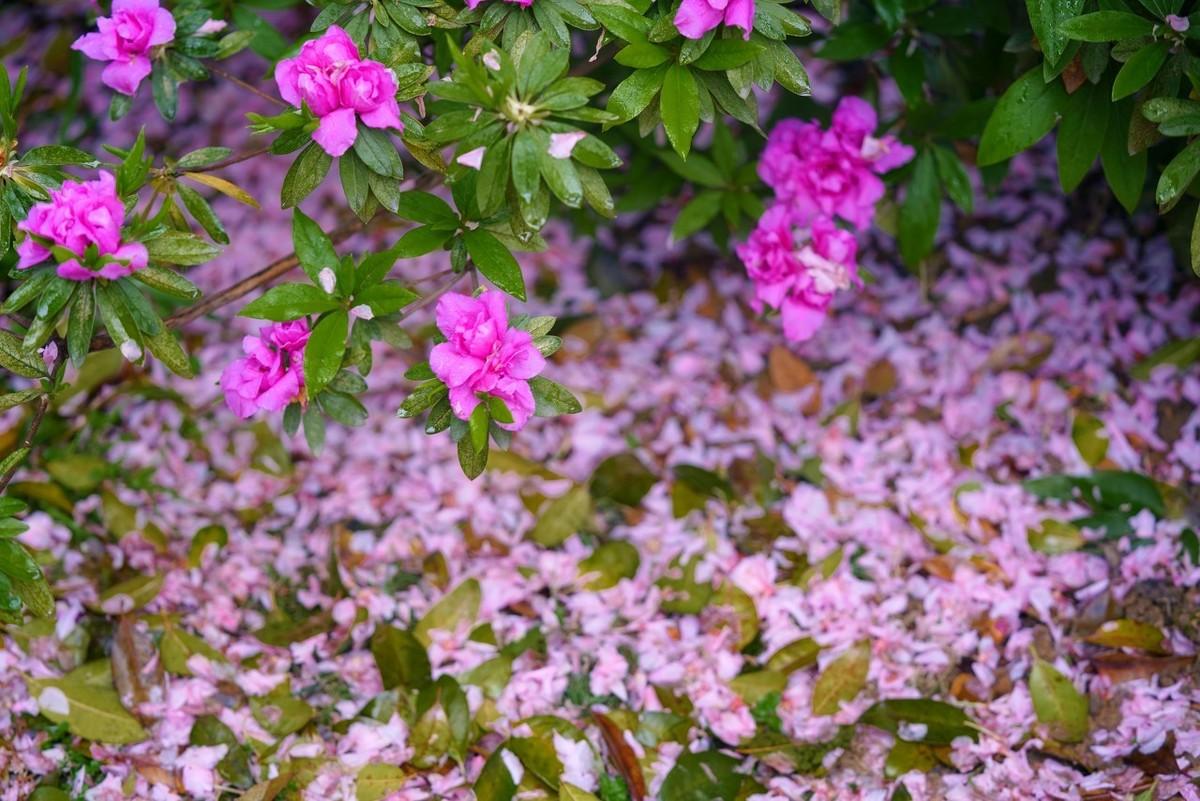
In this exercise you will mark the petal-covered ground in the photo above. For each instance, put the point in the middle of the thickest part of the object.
(716, 582)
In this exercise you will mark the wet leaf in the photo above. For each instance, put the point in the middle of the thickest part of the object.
(87, 702)
(378, 781)
(401, 658)
(622, 757)
(943, 722)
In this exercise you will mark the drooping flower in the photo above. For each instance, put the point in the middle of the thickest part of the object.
(81, 215)
(484, 356)
(798, 270)
(125, 40)
(697, 17)
(832, 172)
(271, 375)
(340, 89)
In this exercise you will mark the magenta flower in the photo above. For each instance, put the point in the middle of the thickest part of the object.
(484, 356)
(125, 40)
(831, 172)
(272, 373)
(798, 270)
(78, 216)
(340, 88)
(697, 17)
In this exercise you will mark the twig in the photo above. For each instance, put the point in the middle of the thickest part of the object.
(434, 295)
(248, 87)
(39, 414)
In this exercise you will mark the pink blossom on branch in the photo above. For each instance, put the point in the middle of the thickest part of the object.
(340, 89)
(798, 270)
(271, 375)
(832, 172)
(697, 17)
(80, 215)
(125, 40)
(484, 356)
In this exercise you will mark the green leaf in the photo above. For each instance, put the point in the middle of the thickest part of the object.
(422, 207)
(16, 561)
(552, 399)
(642, 55)
(181, 247)
(1106, 26)
(202, 157)
(632, 95)
(1057, 703)
(165, 90)
(726, 54)
(562, 517)
(313, 248)
(704, 776)
(698, 213)
(16, 358)
(165, 347)
(473, 461)
(622, 478)
(422, 398)
(1024, 114)
(167, 281)
(203, 213)
(494, 261)
(526, 165)
(377, 151)
(1055, 537)
(680, 108)
(1139, 70)
(58, 156)
(921, 211)
(495, 782)
(1180, 353)
(1178, 175)
(1126, 633)
(133, 593)
(1046, 18)
(377, 781)
(1125, 172)
(89, 706)
(943, 722)
(1090, 436)
(842, 679)
(323, 354)
(305, 175)
(954, 178)
(459, 605)
(419, 241)
(401, 659)
(794, 656)
(609, 563)
(1081, 133)
(289, 302)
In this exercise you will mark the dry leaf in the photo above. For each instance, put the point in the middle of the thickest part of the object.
(136, 669)
(622, 756)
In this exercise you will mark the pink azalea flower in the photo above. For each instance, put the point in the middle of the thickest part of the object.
(77, 216)
(832, 172)
(125, 40)
(340, 89)
(272, 373)
(697, 17)
(483, 355)
(798, 271)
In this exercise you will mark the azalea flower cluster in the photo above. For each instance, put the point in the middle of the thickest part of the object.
(340, 89)
(484, 356)
(125, 40)
(798, 256)
(85, 219)
(271, 374)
